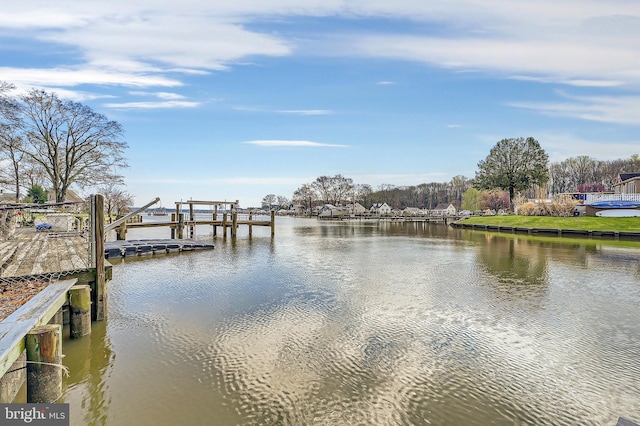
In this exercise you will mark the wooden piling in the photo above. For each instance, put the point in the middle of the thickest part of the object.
(180, 226)
(44, 358)
(215, 217)
(234, 224)
(80, 311)
(224, 225)
(99, 293)
(192, 219)
(57, 318)
(250, 226)
(273, 224)
(122, 232)
(173, 229)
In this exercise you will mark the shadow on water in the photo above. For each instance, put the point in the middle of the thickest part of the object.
(89, 360)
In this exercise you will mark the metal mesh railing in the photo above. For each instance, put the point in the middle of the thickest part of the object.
(43, 243)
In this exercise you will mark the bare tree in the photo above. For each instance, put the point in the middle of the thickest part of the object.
(116, 200)
(283, 201)
(363, 193)
(69, 141)
(11, 150)
(305, 195)
(268, 201)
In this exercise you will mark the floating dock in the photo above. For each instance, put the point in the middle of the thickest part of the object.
(130, 248)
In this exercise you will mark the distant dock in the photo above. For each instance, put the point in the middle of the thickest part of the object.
(226, 219)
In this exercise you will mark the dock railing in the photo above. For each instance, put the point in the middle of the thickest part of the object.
(594, 198)
(43, 242)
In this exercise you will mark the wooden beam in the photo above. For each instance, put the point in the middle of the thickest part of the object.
(37, 311)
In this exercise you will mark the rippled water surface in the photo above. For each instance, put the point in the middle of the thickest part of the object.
(366, 324)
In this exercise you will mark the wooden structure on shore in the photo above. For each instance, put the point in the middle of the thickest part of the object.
(31, 337)
(227, 218)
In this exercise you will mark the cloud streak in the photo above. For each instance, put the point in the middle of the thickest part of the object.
(307, 112)
(152, 105)
(605, 109)
(291, 143)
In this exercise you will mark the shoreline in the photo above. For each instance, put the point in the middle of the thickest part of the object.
(576, 227)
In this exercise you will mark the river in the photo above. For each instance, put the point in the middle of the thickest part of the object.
(366, 323)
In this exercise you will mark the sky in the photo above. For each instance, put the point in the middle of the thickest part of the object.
(234, 100)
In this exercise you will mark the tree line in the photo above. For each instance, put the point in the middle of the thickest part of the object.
(514, 167)
(48, 142)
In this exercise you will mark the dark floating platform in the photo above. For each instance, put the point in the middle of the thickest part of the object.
(129, 248)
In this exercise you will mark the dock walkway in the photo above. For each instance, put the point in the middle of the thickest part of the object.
(35, 253)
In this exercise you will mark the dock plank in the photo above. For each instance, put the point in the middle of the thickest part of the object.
(41, 253)
(35, 312)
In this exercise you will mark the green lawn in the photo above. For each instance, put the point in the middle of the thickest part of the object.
(588, 223)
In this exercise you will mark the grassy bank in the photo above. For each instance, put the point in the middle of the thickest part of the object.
(587, 223)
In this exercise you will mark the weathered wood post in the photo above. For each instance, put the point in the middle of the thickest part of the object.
(57, 318)
(173, 228)
(234, 224)
(224, 224)
(80, 311)
(44, 356)
(180, 219)
(122, 232)
(250, 226)
(99, 293)
(180, 226)
(273, 223)
(192, 218)
(215, 218)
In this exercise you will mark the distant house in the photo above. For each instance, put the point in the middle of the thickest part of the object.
(298, 209)
(70, 196)
(330, 211)
(628, 183)
(6, 196)
(380, 209)
(411, 211)
(444, 209)
(356, 209)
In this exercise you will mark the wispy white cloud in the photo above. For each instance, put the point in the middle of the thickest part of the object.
(160, 95)
(454, 126)
(576, 83)
(607, 109)
(307, 112)
(586, 43)
(569, 61)
(233, 180)
(385, 83)
(273, 143)
(561, 146)
(70, 77)
(152, 105)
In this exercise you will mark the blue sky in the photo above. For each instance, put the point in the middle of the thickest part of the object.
(236, 100)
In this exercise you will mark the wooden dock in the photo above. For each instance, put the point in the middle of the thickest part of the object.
(227, 219)
(36, 253)
(147, 247)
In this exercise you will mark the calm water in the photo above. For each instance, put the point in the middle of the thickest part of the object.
(366, 324)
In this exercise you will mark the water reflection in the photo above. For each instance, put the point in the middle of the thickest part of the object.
(513, 261)
(369, 323)
(89, 361)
